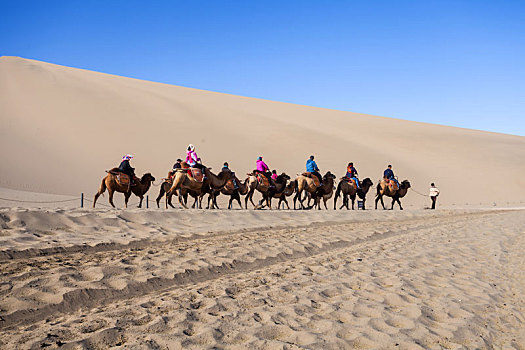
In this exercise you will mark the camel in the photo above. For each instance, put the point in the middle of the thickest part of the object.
(288, 191)
(304, 183)
(183, 181)
(325, 191)
(110, 183)
(345, 190)
(275, 192)
(164, 188)
(254, 184)
(235, 194)
(383, 189)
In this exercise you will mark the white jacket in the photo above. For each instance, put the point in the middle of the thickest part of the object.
(434, 192)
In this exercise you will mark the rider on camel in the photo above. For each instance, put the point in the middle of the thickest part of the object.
(351, 173)
(388, 174)
(192, 159)
(126, 168)
(311, 167)
(226, 167)
(262, 168)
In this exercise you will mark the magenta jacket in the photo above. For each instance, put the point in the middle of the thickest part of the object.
(261, 166)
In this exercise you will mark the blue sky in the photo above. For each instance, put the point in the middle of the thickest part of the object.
(458, 63)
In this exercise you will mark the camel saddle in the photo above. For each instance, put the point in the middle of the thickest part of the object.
(171, 175)
(350, 181)
(263, 180)
(122, 179)
(394, 186)
(317, 183)
(196, 174)
(230, 186)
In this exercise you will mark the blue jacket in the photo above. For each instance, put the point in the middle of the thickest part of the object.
(389, 174)
(311, 166)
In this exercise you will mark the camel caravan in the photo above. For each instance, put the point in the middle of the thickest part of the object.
(192, 178)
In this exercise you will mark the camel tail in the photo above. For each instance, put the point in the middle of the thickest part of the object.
(102, 188)
(378, 190)
(338, 191)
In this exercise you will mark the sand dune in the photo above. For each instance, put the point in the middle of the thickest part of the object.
(62, 127)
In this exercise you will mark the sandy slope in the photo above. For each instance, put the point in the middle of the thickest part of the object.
(62, 127)
(418, 279)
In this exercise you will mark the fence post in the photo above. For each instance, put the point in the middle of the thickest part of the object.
(147, 201)
(82, 200)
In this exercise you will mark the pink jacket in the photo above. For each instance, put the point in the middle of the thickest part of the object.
(191, 158)
(274, 176)
(261, 166)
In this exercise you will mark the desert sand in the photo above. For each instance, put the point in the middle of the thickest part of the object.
(82, 278)
(319, 280)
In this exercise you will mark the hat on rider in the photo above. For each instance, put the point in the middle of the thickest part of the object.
(127, 157)
(259, 158)
(191, 147)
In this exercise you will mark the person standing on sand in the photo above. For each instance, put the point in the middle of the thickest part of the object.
(434, 193)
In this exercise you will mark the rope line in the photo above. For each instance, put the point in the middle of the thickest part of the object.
(421, 194)
(21, 201)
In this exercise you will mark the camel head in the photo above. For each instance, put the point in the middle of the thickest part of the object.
(367, 182)
(282, 177)
(328, 175)
(405, 184)
(147, 177)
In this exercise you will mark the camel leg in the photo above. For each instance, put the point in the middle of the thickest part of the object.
(126, 198)
(201, 197)
(110, 192)
(181, 201)
(325, 200)
(169, 201)
(216, 194)
(161, 193)
(380, 198)
(364, 203)
(298, 197)
(286, 201)
(398, 202)
(140, 203)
